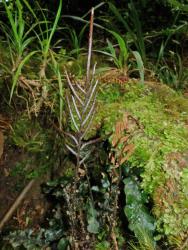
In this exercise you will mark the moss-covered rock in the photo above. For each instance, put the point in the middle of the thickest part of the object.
(161, 134)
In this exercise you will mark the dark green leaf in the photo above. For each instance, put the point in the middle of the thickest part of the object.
(63, 244)
(135, 210)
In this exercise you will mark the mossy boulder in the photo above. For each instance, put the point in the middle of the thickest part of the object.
(161, 147)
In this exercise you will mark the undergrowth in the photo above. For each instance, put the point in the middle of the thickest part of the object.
(114, 148)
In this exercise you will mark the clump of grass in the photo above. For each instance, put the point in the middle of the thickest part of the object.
(18, 38)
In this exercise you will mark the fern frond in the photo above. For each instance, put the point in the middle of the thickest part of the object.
(81, 102)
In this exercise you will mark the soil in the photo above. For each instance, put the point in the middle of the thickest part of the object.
(32, 209)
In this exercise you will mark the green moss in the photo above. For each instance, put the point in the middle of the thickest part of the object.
(36, 143)
(161, 114)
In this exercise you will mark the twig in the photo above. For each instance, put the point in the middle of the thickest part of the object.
(15, 205)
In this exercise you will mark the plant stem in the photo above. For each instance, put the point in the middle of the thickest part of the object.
(90, 48)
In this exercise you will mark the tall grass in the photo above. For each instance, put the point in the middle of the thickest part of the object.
(16, 32)
(74, 40)
(120, 58)
(135, 33)
(45, 35)
(175, 75)
(18, 38)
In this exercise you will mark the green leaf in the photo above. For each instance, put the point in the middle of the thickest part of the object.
(123, 53)
(140, 65)
(111, 49)
(95, 188)
(178, 5)
(58, 14)
(93, 225)
(135, 210)
(63, 244)
(104, 245)
(105, 182)
(122, 46)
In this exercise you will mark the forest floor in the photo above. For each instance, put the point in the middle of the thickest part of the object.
(31, 208)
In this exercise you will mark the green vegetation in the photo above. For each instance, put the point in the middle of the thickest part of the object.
(159, 141)
(103, 130)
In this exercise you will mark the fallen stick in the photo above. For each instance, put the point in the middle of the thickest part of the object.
(15, 205)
